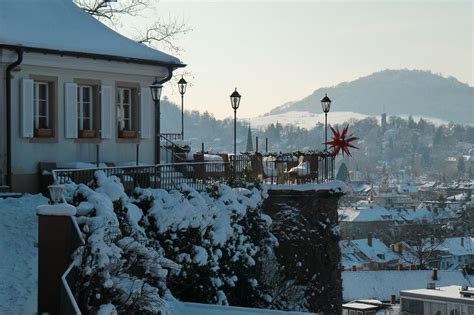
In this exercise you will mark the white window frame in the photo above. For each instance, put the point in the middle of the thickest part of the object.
(125, 107)
(80, 107)
(36, 102)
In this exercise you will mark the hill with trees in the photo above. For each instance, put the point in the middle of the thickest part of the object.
(396, 92)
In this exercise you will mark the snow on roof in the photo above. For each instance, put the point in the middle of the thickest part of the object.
(381, 284)
(454, 246)
(60, 25)
(357, 252)
(364, 214)
(359, 306)
(452, 291)
(369, 214)
(335, 186)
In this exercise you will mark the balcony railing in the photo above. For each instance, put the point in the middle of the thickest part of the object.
(316, 168)
(171, 137)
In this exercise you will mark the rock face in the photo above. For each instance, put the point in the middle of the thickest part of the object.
(306, 226)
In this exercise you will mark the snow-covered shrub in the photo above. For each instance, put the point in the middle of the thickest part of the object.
(141, 251)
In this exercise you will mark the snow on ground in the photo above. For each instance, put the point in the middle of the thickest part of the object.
(18, 255)
(309, 120)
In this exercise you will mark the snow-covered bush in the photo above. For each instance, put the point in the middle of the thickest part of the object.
(143, 250)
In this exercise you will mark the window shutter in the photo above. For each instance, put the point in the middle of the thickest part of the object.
(26, 103)
(106, 110)
(70, 110)
(145, 113)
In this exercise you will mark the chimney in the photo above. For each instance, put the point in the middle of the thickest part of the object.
(462, 241)
(434, 275)
(393, 299)
(369, 239)
(354, 268)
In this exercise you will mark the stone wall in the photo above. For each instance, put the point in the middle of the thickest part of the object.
(306, 226)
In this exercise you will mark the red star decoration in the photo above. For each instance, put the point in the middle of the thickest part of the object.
(339, 143)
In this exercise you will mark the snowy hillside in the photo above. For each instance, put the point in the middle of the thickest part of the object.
(397, 92)
(308, 120)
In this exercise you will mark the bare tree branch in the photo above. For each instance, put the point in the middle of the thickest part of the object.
(161, 32)
(164, 33)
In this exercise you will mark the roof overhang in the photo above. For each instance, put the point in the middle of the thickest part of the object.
(93, 56)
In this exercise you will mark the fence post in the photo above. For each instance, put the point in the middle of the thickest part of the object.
(55, 246)
(138, 154)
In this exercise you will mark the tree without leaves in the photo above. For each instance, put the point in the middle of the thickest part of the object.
(160, 32)
(424, 241)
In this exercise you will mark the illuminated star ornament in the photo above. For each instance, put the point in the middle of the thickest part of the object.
(340, 143)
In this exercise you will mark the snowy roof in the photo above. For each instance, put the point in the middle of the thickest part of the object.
(59, 26)
(369, 214)
(381, 284)
(358, 252)
(364, 214)
(452, 291)
(454, 246)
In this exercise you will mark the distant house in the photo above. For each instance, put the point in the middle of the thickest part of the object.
(367, 254)
(358, 222)
(73, 89)
(457, 253)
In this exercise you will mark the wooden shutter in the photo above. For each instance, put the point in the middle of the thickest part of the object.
(26, 104)
(70, 110)
(145, 113)
(106, 111)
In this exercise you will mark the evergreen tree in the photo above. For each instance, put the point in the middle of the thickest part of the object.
(343, 173)
(249, 141)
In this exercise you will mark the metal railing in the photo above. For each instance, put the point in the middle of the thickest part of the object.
(171, 136)
(68, 303)
(199, 175)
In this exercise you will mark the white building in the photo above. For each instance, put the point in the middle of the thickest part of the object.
(70, 86)
(449, 300)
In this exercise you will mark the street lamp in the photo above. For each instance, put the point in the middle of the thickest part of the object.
(155, 89)
(56, 193)
(235, 102)
(326, 105)
(182, 89)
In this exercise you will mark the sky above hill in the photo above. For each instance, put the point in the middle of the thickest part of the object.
(275, 52)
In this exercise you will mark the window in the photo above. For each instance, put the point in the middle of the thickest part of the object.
(42, 109)
(85, 107)
(40, 103)
(127, 101)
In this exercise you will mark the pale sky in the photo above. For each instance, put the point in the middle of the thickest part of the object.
(275, 52)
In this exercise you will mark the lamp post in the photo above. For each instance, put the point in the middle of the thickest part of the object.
(326, 105)
(235, 102)
(155, 89)
(182, 89)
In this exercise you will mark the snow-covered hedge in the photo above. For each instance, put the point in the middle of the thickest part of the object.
(149, 248)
